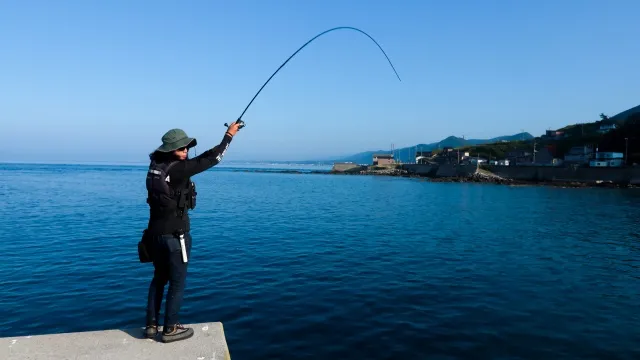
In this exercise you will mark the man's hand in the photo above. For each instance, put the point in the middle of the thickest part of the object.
(233, 129)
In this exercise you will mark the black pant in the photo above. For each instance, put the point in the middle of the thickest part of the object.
(169, 267)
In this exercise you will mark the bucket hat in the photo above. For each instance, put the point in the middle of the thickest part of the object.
(175, 139)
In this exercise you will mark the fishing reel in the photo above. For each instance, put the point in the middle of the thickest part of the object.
(240, 124)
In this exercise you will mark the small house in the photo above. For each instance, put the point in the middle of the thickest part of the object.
(520, 156)
(579, 155)
(554, 134)
(543, 157)
(382, 159)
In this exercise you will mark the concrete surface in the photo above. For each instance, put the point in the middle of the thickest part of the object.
(207, 343)
(344, 167)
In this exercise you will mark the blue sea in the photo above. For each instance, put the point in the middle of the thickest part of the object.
(315, 266)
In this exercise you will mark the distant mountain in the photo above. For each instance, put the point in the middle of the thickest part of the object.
(408, 154)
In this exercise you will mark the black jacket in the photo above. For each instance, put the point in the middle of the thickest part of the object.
(163, 222)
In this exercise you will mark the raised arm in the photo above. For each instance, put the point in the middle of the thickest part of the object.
(207, 159)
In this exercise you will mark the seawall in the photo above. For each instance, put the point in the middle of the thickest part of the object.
(420, 169)
(208, 342)
(630, 175)
(445, 170)
(586, 175)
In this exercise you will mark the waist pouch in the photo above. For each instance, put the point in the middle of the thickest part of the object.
(144, 248)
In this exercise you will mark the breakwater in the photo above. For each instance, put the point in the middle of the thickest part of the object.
(622, 176)
(208, 342)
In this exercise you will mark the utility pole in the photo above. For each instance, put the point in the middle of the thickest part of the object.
(534, 151)
(393, 152)
(626, 151)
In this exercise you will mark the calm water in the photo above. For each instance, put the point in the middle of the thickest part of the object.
(334, 267)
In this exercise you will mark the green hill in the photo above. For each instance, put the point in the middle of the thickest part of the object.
(407, 154)
(625, 138)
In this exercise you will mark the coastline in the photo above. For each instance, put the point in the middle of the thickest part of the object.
(477, 178)
(565, 177)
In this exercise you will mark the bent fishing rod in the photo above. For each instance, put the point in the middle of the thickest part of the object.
(242, 124)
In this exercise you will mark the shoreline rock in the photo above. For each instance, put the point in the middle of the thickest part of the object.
(480, 178)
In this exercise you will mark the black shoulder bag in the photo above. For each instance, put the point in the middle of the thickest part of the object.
(144, 248)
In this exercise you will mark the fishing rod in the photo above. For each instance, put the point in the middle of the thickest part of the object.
(242, 124)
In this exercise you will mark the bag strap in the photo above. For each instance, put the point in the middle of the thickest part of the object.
(166, 170)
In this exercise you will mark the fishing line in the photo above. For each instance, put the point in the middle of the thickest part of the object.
(242, 124)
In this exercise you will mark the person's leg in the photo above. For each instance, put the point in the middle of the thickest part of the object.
(156, 292)
(156, 288)
(177, 279)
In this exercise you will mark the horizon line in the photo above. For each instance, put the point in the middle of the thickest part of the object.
(137, 164)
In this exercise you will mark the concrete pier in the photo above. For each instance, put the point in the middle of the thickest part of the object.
(207, 343)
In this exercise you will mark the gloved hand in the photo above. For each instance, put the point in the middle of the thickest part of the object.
(233, 128)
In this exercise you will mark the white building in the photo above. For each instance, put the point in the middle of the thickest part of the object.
(604, 128)
(609, 155)
(607, 159)
(475, 160)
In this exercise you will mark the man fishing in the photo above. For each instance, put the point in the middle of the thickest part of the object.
(171, 194)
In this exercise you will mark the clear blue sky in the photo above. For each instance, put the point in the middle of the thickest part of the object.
(89, 80)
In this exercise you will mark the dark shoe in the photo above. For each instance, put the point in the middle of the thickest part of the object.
(175, 333)
(151, 331)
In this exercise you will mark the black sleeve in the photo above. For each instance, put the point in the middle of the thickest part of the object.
(202, 162)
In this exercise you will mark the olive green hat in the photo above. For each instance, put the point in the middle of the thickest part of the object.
(175, 139)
